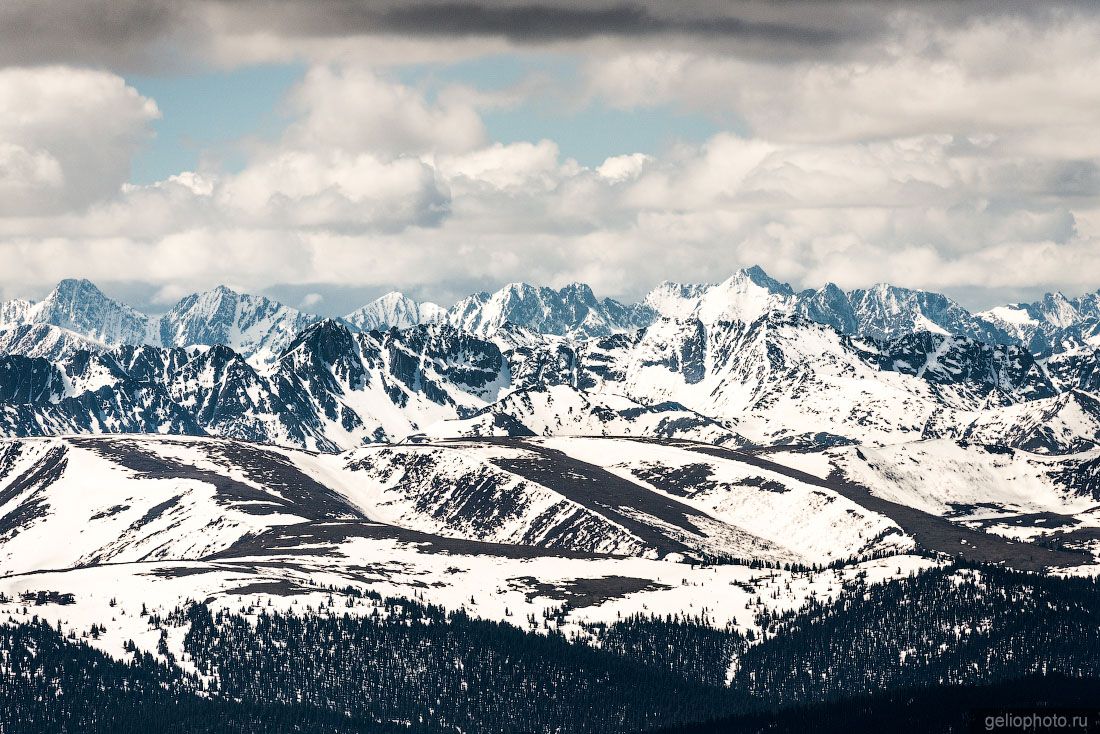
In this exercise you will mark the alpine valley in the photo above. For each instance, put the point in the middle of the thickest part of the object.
(733, 503)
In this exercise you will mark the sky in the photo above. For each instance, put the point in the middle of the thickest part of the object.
(327, 151)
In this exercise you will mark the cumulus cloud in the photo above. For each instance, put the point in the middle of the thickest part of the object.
(335, 190)
(913, 211)
(353, 109)
(1028, 87)
(948, 146)
(623, 167)
(66, 137)
(524, 166)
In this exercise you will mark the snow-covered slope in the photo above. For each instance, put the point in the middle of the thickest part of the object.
(676, 300)
(43, 340)
(1065, 424)
(86, 501)
(66, 503)
(1013, 493)
(562, 410)
(804, 518)
(125, 529)
(968, 480)
(745, 296)
(459, 491)
(83, 502)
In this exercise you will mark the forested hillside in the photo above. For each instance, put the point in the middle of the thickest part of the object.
(877, 649)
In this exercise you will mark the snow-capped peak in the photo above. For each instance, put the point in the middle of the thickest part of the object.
(79, 306)
(571, 311)
(676, 300)
(260, 328)
(745, 296)
(253, 325)
(394, 310)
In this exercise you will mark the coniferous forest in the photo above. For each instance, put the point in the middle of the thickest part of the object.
(968, 637)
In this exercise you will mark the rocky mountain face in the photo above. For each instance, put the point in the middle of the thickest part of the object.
(881, 312)
(779, 380)
(1066, 424)
(1052, 324)
(783, 379)
(572, 311)
(330, 389)
(1076, 369)
(77, 315)
(745, 362)
(43, 340)
(14, 311)
(745, 296)
(970, 370)
(255, 326)
(565, 410)
(886, 311)
(80, 307)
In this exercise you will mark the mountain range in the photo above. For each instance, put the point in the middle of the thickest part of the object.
(780, 380)
(745, 362)
(261, 329)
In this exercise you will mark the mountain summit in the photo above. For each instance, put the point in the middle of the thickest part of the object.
(77, 315)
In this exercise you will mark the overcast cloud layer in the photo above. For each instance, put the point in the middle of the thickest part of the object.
(953, 146)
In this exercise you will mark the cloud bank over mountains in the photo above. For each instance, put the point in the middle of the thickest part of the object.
(948, 146)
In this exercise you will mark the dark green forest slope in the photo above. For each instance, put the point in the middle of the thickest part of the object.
(877, 653)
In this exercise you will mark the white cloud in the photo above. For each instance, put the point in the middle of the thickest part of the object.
(623, 167)
(27, 172)
(66, 137)
(377, 183)
(353, 109)
(1031, 85)
(530, 166)
(334, 189)
(169, 294)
